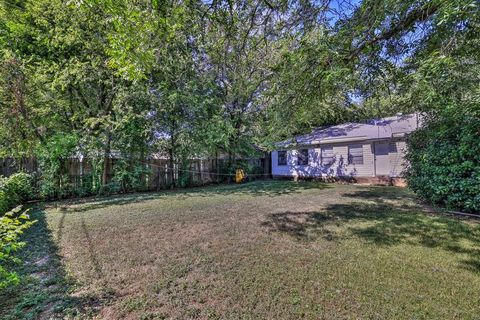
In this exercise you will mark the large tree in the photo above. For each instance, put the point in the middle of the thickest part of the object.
(240, 46)
(64, 82)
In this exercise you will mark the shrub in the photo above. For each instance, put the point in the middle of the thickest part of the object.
(20, 185)
(5, 202)
(128, 176)
(14, 190)
(52, 159)
(12, 225)
(444, 161)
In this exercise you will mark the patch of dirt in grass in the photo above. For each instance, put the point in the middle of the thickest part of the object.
(42, 261)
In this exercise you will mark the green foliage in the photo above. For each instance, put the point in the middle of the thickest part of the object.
(12, 225)
(445, 154)
(54, 181)
(310, 86)
(444, 161)
(20, 185)
(185, 178)
(18, 137)
(129, 175)
(14, 190)
(195, 79)
(5, 202)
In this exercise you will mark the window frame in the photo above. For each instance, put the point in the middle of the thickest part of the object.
(323, 157)
(355, 158)
(304, 159)
(283, 163)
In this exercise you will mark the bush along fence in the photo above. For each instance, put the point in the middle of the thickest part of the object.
(76, 178)
(12, 226)
(14, 190)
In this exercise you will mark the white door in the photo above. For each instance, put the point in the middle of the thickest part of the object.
(382, 160)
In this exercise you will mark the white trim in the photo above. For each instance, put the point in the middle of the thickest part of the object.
(398, 135)
(342, 139)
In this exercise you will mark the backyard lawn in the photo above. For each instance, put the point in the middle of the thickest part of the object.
(262, 250)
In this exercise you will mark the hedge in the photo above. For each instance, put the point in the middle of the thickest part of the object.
(444, 161)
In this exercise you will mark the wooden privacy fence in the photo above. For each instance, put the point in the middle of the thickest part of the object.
(9, 166)
(158, 174)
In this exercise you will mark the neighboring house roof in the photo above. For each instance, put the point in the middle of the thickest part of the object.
(391, 127)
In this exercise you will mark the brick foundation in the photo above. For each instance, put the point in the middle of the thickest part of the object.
(380, 180)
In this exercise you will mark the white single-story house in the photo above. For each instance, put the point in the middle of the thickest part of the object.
(373, 150)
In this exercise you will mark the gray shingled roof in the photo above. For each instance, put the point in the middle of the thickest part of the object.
(372, 129)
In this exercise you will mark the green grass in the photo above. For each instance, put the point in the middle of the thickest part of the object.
(275, 249)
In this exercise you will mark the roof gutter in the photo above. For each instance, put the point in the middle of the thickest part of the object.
(323, 141)
(338, 140)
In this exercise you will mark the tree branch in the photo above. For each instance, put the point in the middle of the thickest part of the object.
(416, 15)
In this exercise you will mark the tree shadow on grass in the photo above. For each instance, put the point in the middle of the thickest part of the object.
(380, 193)
(261, 188)
(45, 290)
(93, 203)
(265, 188)
(382, 222)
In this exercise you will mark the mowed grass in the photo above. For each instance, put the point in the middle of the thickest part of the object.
(262, 250)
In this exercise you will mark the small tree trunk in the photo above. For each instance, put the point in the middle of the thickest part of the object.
(230, 166)
(143, 164)
(106, 162)
(171, 164)
(217, 169)
(267, 165)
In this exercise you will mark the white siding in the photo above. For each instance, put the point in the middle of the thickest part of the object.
(340, 166)
(397, 160)
(367, 168)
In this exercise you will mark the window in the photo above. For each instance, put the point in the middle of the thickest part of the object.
(393, 147)
(302, 157)
(327, 156)
(355, 154)
(282, 158)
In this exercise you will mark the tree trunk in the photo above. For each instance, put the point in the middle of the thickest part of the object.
(230, 166)
(217, 168)
(171, 164)
(143, 177)
(106, 162)
(267, 170)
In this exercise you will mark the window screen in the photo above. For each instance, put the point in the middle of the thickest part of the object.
(327, 156)
(282, 158)
(302, 158)
(355, 154)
